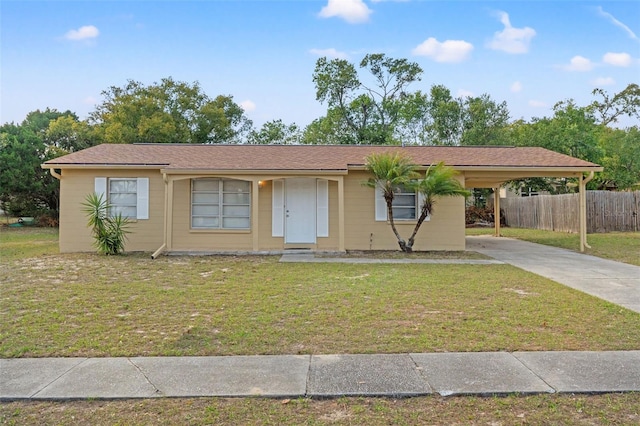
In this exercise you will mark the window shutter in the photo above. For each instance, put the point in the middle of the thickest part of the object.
(322, 206)
(277, 209)
(142, 191)
(381, 206)
(100, 187)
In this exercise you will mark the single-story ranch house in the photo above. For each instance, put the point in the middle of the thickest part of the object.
(260, 198)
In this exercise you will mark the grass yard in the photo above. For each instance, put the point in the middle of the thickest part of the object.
(26, 242)
(91, 305)
(613, 409)
(620, 246)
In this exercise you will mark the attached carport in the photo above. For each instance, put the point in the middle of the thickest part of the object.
(494, 178)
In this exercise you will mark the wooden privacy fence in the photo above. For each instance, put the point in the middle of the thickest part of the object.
(606, 211)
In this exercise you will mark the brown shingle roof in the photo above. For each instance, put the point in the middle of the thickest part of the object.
(306, 157)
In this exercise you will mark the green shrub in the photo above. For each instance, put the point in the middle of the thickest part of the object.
(109, 232)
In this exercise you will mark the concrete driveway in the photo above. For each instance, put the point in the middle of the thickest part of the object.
(609, 280)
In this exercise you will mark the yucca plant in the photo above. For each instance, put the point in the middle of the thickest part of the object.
(109, 232)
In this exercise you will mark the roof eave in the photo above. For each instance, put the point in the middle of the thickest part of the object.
(49, 165)
(181, 171)
(490, 168)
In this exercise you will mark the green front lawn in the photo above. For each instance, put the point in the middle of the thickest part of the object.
(612, 409)
(91, 305)
(27, 242)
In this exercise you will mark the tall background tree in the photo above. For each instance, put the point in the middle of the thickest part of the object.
(168, 112)
(369, 107)
(25, 188)
(276, 132)
(623, 103)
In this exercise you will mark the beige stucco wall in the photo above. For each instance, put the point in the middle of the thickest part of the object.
(76, 184)
(186, 239)
(444, 231)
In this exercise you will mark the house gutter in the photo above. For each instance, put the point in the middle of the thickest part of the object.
(55, 174)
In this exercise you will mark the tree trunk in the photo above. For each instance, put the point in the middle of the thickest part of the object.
(401, 242)
(423, 215)
(403, 245)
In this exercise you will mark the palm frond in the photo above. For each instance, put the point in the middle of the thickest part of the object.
(439, 181)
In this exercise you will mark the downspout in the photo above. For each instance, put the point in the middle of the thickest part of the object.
(164, 232)
(583, 210)
(496, 211)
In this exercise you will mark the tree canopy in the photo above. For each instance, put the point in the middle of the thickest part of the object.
(168, 112)
(25, 188)
(368, 108)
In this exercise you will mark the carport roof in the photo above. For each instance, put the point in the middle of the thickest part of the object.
(252, 158)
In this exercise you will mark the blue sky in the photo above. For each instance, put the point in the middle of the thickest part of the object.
(531, 54)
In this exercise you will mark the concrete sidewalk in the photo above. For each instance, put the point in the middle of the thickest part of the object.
(320, 376)
(609, 280)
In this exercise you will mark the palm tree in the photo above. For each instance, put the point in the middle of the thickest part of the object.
(439, 181)
(392, 171)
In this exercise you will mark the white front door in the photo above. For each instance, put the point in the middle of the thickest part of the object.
(300, 211)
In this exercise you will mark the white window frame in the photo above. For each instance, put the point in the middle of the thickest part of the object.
(381, 206)
(102, 187)
(117, 206)
(217, 199)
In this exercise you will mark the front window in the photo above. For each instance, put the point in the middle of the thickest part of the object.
(220, 204)
(404, 204)
(123, 197)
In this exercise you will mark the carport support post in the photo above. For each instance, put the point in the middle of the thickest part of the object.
(582, 201)
(496, 211)
(255, 211)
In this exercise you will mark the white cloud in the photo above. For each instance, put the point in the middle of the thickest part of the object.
(516, 87)
(329, 53)
(511, 40)
(446, 51)
(537, 104)
(617, 59)
(578, 63)
(352, 11)
(248, 105)
(462, 93)
(603, 81)
(618, 24)
(83, 33)
(90, 100)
